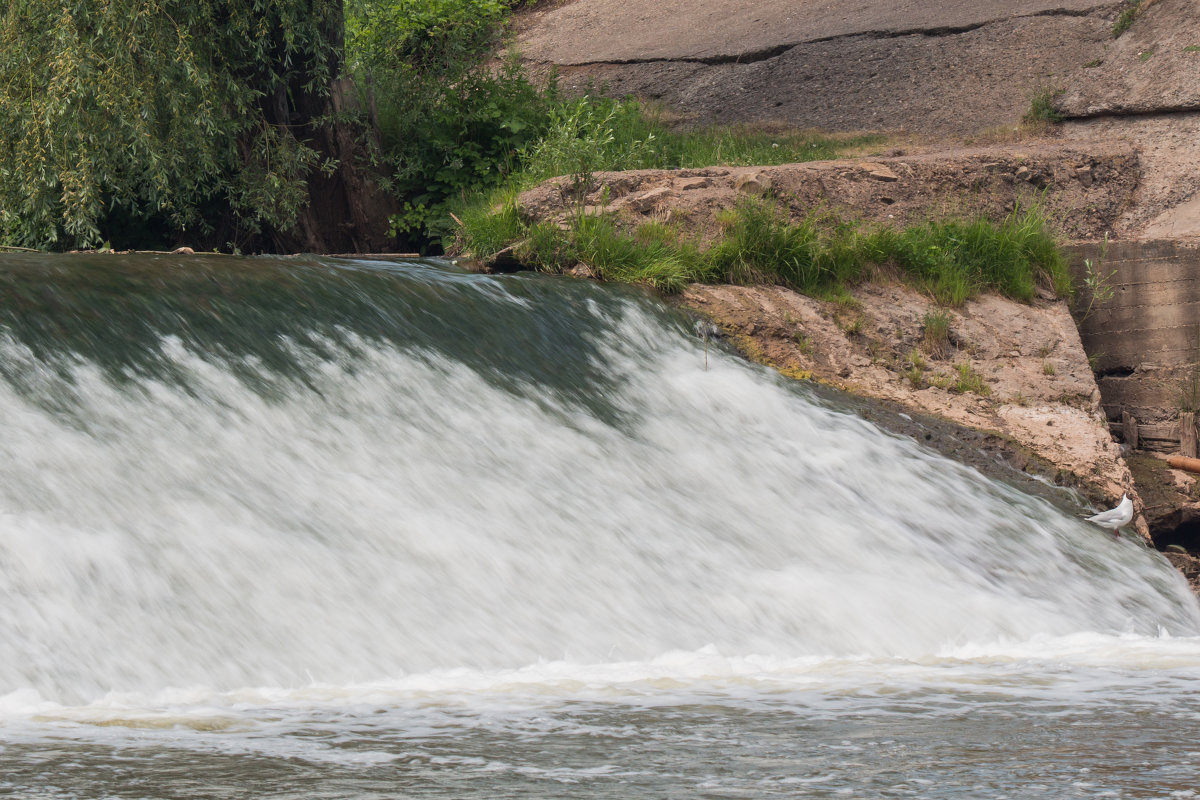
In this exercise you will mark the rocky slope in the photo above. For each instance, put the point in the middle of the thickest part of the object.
(936, 78)
(930, 75)
(927, 68)
(1036, 400)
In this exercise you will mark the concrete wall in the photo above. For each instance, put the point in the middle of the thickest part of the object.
(1144, 342)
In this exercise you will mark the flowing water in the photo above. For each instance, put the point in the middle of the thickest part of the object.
(294, 528)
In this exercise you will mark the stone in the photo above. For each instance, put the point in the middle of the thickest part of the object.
(581, 271)
(693, 183)
(1085, 176)
(755, 183)
(647, 202)
(878, 171)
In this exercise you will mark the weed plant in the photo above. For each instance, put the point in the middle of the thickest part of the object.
(1042, 110)
(1125, 18)
(969, 381)
(952, 260)
(935, 333)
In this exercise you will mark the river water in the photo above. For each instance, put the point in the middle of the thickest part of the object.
(295, 528)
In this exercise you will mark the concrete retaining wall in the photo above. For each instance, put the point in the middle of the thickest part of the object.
(1144, 340)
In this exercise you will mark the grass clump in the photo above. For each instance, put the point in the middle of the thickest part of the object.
(916, 365)
(969, 381)
(1125, 18)
(1042, 110)
(952, 260)
(494, 224)
(935, 333)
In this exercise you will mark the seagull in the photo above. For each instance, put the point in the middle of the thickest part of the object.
(1115, 517)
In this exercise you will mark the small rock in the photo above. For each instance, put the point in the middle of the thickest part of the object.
(755, 183)
(878, 171)
(1085, 176)
(693, 183)
(581, 271)
(645, 203)
(1023, 173)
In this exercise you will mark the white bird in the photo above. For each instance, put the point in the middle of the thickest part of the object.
(1115, 517)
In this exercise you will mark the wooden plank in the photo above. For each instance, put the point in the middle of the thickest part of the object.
(1160, 431)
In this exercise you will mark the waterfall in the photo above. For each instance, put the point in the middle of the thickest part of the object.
(229, 473)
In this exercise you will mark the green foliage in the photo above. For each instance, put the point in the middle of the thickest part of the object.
(1096, 285)
(150, 112)
(1125, 18)
(447, 124)
(1042, 110)
(935, 333)
(593, 134)
(953, 260)
(582, 138)
(969, 381)
(494, 226)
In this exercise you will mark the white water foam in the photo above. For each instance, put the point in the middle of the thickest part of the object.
(403, 525)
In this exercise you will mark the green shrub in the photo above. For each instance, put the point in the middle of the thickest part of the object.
(1125, 18)
(448, 127)
(969, 381)
(1042, 110)
(489, 227)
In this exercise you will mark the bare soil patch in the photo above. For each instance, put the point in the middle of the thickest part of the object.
(1084, 190)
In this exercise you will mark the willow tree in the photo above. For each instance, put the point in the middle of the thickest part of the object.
(215, 122)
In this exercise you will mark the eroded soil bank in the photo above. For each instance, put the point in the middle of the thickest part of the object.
(938, 82)
(1015, 374)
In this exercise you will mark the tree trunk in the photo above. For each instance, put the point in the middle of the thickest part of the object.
(347, 212)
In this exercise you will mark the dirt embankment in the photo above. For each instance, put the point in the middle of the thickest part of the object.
(1084, 190)
(936, 78)
(1033, 389)
(931, 75)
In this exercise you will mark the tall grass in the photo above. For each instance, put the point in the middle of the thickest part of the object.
(595, 134)
(951, 260)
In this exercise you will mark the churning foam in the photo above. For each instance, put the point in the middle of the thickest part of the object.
(399, 521)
